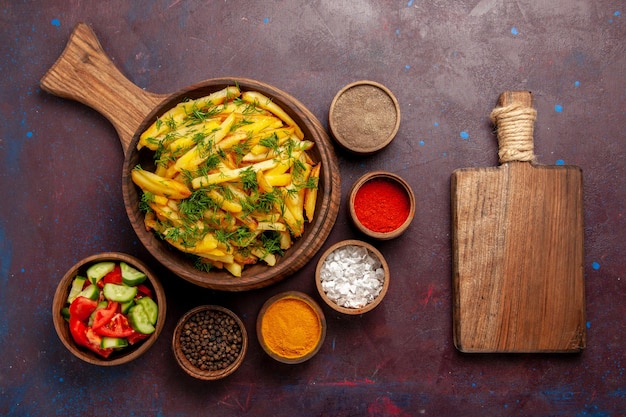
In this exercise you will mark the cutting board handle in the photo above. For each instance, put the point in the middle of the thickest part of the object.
(86, 74)
(514, 118)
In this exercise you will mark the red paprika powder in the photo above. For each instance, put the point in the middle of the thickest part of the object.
(381, 205)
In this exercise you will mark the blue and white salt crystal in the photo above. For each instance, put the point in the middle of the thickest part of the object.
(352, 276)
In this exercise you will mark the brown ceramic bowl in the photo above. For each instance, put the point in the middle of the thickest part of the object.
(332, 303)
(185, 361)
(402, 188)
(85, 73)
(364, 117)
(61, 326)
(260, 274)
(267, 343)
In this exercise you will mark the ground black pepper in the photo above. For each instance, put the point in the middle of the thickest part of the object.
(211, 340)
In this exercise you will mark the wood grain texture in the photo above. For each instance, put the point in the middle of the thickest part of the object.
(517, 236)
(85, 73)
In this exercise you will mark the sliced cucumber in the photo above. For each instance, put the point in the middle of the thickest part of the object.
(152, 310)
(131, 276)
(99, 270)
(91, 291)
(119, 293)
(125, 307)
(76, 288)
(65, 312)
(113, 342)
(139, 320)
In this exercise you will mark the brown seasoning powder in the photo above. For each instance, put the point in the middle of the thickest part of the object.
(364, 116)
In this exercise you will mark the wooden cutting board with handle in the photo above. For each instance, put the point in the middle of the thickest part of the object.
(517, 243)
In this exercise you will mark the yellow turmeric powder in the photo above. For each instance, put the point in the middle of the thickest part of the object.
(291, 328)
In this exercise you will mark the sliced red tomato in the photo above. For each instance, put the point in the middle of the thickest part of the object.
(136, 337)
(144, 290)
(94, 343)
(113, 277)
(82, 307)
(104, 315)
(84, 336)
(78, 330)
(117, 326)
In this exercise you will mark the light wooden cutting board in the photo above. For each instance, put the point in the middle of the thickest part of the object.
(517, 242)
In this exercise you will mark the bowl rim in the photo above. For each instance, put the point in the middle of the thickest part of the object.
(187, 366)
(62, 328)
(388, 176)
(339, 138)
(259, 275)
(346, 310)
(311, 303)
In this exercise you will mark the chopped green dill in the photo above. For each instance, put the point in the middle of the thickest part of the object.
(146, 198)
(221, 154)
(194, 206)
(242, 122)
(311, 183)
(270, 142)
(248, 206)
(153, 140)
(271, 242)
(291, 191)
(205, 148)
(201, 265)
(248, 179)
(173, 233)
(171, 123)
(238, 237)
(165, 159)
(265, 201)
(243, 235)
(198, 137)
(297, 173)
(248, 108)
(241, 148)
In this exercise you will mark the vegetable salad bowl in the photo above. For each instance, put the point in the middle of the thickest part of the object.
(125, 332)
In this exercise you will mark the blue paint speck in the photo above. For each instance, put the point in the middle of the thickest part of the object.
(266, 20)
(595, 265)
(514, 31)
(436, 124)
(560, 162)
(558, 108)
(576, 83)
(29, 134)
(588, 324)
(421, 143)
(464, 135)
(407, 67)
(617, 13)
(56, 22)
(397, 32)
(410, 3)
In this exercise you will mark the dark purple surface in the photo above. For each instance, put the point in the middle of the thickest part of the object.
(446, 62)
